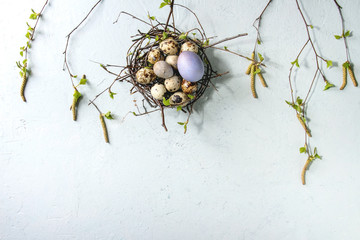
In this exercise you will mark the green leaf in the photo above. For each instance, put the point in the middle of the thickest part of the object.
(261, 57)
(134, 113)
(18, 64)
(296, 63)
(329, 63)
(165, 35)
(147, 36)
(21, 53)
(163, 4)
(166, 102)
(25, 62)
(258, 41)
(347, 33)
(194, 34)
(151, 17)
(302, 150)
(299, 100)
(181, 123)
(257, 71)
(183, 36)
(311, 26)
(33, 16)
(112, 94)
(317, 156)
(28, 35)
(346, 64)
(179, 108)
(75, 76)
(108, 115)
(297, 108)
(328, 85)
(289, 103)
(191, 96)
(77, 94)
(206, 43)
(225, 47)
(337, 36)
(157, 38)
(83, 81)
(185, 128)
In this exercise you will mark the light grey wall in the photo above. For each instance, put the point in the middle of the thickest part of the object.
(234, 175)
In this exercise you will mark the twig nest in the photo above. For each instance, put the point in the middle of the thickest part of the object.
(169, 46)
(173, 84)
(145, 76)
(189, 46)
(188, 87)
(190, 66)
(179, 98)
(154, 56)
(158, 91)
(163, 70)
(172, 60)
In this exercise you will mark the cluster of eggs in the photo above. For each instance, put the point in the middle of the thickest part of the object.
(175, 74)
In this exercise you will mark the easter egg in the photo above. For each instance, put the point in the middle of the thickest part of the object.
(163, 69)
(190, 66)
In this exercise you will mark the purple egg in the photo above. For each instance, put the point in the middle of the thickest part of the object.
(190, 66)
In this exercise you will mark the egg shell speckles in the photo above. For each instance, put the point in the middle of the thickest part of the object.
(172, 60)
(173, 84)
(179, 99)
(189, 46)
(158, 91)
(190, 66)
(188, 87)
(145, 76)
(154, 56)
(163, 70)
(169, 46)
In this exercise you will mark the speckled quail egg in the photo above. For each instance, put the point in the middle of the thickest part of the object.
(189, 46)
(169, 46)
(154, 56)
(179, 98)
(188, 87)
(145, 76)
(173, 84)
(163, 70)
(158, 91)
(172, 60)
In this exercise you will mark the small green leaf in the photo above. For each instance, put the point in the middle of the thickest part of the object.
(329, 63)
(147, 36)
(317, 156)
(191, 96)
(302, 150)
(179, 108)
(183, 36)
(258, 41)
(296, 63)
(225, 47)
(328, 85)
(163, 4)
(181, 123)
(108, 115)
(25, 62)
(194, 34)
(21, 53)
(261, 57)
(83, 81)
(299, 100)
(166, 102)
(75, 76)
(257, 71)
(112, 94)
(347, 33)
(337, 36)
(18, 64)
(77, 94)
(185, 128)
(346, 64)
(156, 38)
(206, 43)
(151, 17)
(28, 35)
(33, 16)
(311, 26)
(164, 36)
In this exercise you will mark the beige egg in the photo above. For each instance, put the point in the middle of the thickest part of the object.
(172, 60)
(169, 46)
(188, 87)
(158, 91)
(173, 84)
(179, 98)
(154, 56)
(189, 46)
(163, 70)
(145, 76)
